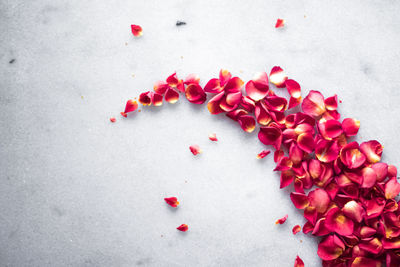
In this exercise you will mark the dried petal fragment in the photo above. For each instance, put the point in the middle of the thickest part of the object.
(372, 150)
(314, 104)
(278, 77)
(298, 262)
(296, 229)
(247, 122)
(263, 154)
(258, 88)
(213, 137)
(137, 31)
(330, 248)
(282, 220)
(351, 156)
(130, 106)
(171, 96)
(195, 149)
(112, 119)
(145, 98)
(183, 227)
(280, 23)
(195, 94)
(350, 126)
(392, 188)
(299, 200)
(172, 201)
(337, 222)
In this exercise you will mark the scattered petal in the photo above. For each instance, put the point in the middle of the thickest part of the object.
(137, 31)
(171, 96)
(337, 222)
(258, 88)
(112, 119)
(350, 126)
(351, 156)
(157, 99)
(247, 122)
(145, 98)
(293, 88)
(263, 154)
(296, 229)
(183, 227)
(282, 220)
(213, 137)
(277, 77)
(130, 106)
(280, 23)
(372, 150)
(172, 201)
(270, 135)
(298, 262)
(392, 188)
(195, 94)
(331, 103)
(195, 149)
(330, 248)
(123, 114)
(300, 200)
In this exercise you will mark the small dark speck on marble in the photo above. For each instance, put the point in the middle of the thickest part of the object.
(180, 23)
(144, 261)
(12, 61)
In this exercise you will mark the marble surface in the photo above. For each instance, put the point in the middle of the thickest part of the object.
(77, 190)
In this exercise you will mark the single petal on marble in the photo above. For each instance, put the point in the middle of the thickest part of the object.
(224, 76)
(160, 87)
(195, 149)
(350, 126)
(354, 211)
(279, 23)
(330, 248)
(337, 222)
(372, 150)
(282, 220)
(331, 103)
(313, 104)
(112, 119)
(392, 188)
(137, 30)
(195, 94)
(172, 201)
(299, 200)
(213, 86)
(213, 137)
(145, 98)
(293, 88)
(263, 154)
(183, 227)
(247, 122)
(258, 87)
(131, 105)
(171, 96)
(157, 99)
(296, 229)
(278, 77)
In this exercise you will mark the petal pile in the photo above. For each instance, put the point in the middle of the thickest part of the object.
(347, 195)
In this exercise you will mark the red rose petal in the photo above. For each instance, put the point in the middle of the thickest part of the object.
(279, 23)
(296, 229)
(293, 88)
(270, 135)
(224, 76)
(130, 106)
(351, 156)
(258, 88)
(145, 98)
(262, 114)
(136, 30)
(350, 126)
(213, 137)
(314, 104)
(183, 227)
(247, 122)
(294, 102)
(247, 103)
(298, 262)
(234, 85)
(214, 104)
(306, 142)
(299, 200)
(195, 94)
(327, 151)
(278, 77)
(319, 199)
(171, 96)
(337, 222)
(192, 78)
(365, 262)
(213, 86)
(263, 154)
(172, 201)
(392, 188)
(123, 114)
(331, 103)
(195, 149)
(160, 87)
(354, 211)
(282, 220)
(372, 150)
(157, 99)
(112, 119)
(330, 248)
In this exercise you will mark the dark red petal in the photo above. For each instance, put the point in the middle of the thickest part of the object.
(298, 262)
(172, 201)
(224, 76)
(330, 248)
(183, 227)
(299, 200)
(157, 99)
(350, 126)
(130, 106)
(270, 135)
(331, 103)
(195, 94)
(145, 98)
(171, 96)
(136, 30)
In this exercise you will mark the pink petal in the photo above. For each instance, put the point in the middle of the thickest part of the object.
(224, 76)
(270, 135)
(337, 222)
(282, 220)
(195, 149)
(331, 103)
(277, 77)
(392, 188)
(319, 199)
(171, 96)
(299, 200)
(293, 88)
(372, 150)
(350, 126)
(195, 94)
(258, 88)
(279, 23)
(247, 122)
(330, 248)
(314, 104)
(213, 86)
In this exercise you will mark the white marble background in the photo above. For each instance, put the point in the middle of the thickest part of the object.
(77, 190)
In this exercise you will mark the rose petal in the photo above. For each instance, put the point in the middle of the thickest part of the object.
(372, 150)
(366, 231)
(173, 80)
(293, 88)
(381, 170)
(171, 96)
(258, 88)
(262, 114)
(365, 262)
(337, 222)
(214, 104)
(183, 227)
(160, 87)
(157, 99)
(195, 94)
(278, 155)
(294, 102)
(392, 171)
(392, 188)
(276, 103)
(319, 199)
(195, 149)
(123, 114)
(307, 227)
(350, 126)
(287, 178)
(213, 137)
(299, 200)
(330, 248)
(354, 211)
(235, 114)
(130, 106)
(213, 86)
(351, 156)
(295, 154)
(277, 77)
(270, 135)
(282, 220)
(247, 103)
(224, 76)
(320, 228)
(172, 201)
(263, 154)
(306, 142)
(280, 23)
(331, 103)
(233, 85)
(296, 229)
(369, 177)
(314, 104)
(247, 122)
(112, 119)
(145, 98)
(137, 31)
(333, 129)
(374, 207)
(373, 246)
(192, 78)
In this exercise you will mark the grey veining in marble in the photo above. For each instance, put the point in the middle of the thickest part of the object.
(77, 190)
